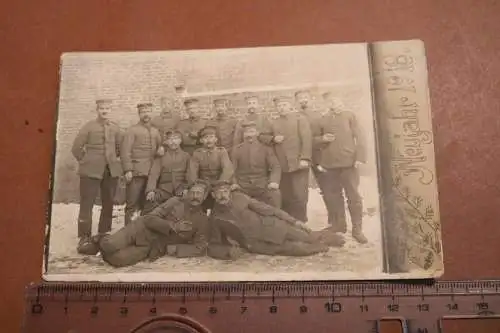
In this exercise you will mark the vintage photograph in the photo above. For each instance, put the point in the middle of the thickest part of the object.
(248, 164)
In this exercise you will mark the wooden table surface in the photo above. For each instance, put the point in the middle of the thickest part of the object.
(463, 49)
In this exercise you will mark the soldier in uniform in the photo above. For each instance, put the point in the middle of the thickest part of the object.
(345, 150)
(96, 148)
(141, 145)
(260, 120)
(210, 162)
(178, 227)
(257, 170)
(167, 120)
(191, 126)
(315, 118)
(224, 124)
(167, 177)
(260, 228)
(292, 142)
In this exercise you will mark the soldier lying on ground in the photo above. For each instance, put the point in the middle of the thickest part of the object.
(178, 228)
(259, 228)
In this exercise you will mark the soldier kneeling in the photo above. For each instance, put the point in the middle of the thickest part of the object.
(260, 228)
(178, 227)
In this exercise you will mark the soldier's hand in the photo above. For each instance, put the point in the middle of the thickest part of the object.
(150, 196)
(235, 187)
(279, 138)
(193, 134)
(273, 186)
(320, 168)
(328, 137)
(128, 176)
(357, 164)
(160, 151)
(302, 226)
(304, 164)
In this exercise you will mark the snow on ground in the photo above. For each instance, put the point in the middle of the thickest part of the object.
(353, 260)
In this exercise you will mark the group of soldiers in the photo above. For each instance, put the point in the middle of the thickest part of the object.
(222, 186)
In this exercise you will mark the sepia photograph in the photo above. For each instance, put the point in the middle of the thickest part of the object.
(249, 164)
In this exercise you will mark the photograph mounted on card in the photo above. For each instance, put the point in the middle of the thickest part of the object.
(253, 164)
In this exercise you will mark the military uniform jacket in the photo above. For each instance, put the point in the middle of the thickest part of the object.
(256, 220)
(168, 171)
(349, 144)
(255, 165)
(225, 129)
(211, 165)
(262, 123)
(315, 119)
(189, 129)
(297, 144)
(164, 124)
(176, 210)
(139, 148)
(97, 146)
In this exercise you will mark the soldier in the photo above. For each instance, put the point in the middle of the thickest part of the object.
(224, 124)
(260, 228)
(191, 126)
(167, 177)
(314, 117)
(167, 120)
(292, 142)
(257, 170)
(178, 227)
(344, 151)
(140, 146)
(210, 163)
(252, 115)
(96, 148)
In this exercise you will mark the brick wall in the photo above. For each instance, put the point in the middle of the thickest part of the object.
(130, 78)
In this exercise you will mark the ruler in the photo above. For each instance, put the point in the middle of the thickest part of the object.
(357, 307)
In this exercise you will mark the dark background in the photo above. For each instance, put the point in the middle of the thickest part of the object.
(462, 44)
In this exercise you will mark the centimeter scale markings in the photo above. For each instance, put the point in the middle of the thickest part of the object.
(268, 307)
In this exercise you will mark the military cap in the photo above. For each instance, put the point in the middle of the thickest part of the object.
(282, 98)
(172, 133)
(144, 105)
(207, 130)
(201, 183)
(221, 184)
(220, 100)
(190, 100)
(251, 96)
(102, 101)
(248, 124)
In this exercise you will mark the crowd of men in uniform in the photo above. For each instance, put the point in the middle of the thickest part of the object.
(219, 187)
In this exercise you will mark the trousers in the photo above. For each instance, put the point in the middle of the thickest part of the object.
(294, 187)
(267, 196)
(135, 196)
(340, 181)
(89, 189)
(322, 180)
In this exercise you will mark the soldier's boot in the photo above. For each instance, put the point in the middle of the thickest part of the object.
(329, 237)
(87, 247)
(224, 252)
(357, 232)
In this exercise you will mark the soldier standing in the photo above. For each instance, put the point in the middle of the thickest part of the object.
(191, 126)
(140, 146)
(96, 148)
(315, 118)
(210, 163)
(167, 177)
(167, 120)
(257, 170)
(345, 150)
(224, 124)
(292, 142)
(260, 120)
